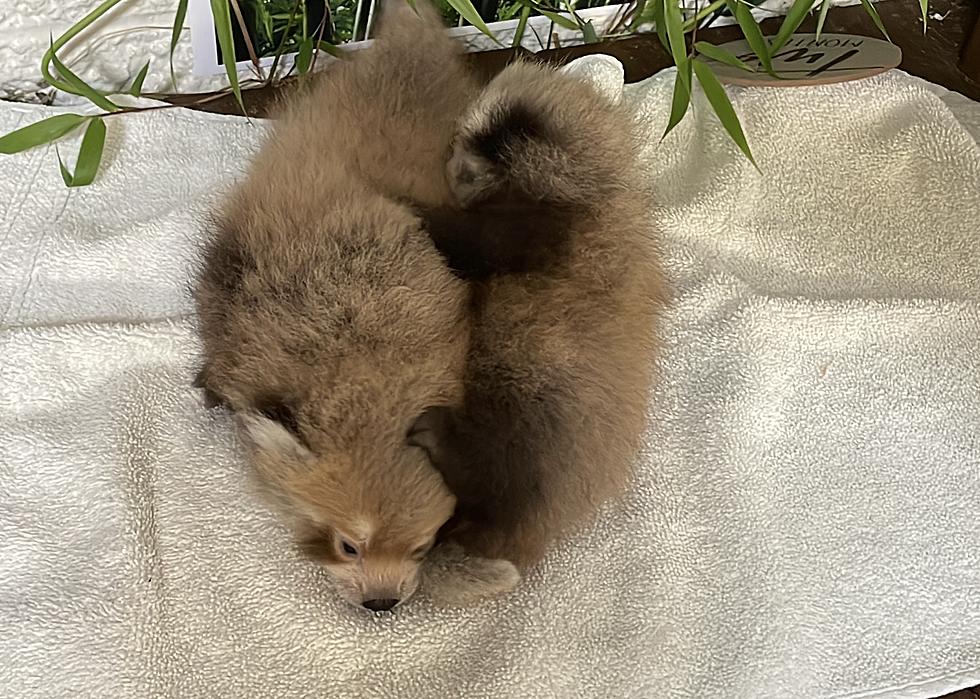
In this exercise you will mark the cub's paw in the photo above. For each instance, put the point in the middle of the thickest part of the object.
(451, 578)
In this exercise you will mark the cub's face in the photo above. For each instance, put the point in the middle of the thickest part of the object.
(376, 569)
(369, 521)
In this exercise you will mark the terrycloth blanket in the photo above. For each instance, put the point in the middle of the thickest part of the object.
(804, 518)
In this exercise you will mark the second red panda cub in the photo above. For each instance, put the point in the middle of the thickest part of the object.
(553, 232)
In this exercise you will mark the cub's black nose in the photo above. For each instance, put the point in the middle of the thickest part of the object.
(379, 605)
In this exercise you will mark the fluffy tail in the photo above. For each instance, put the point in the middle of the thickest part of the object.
(535, 152)
(546, 134)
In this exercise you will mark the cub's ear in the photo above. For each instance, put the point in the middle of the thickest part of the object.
(211, 398)
(278, 410)
(429, 431)
(273, 437)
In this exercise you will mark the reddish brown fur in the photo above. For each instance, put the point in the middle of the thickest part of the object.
(329, 321)
(561, 354)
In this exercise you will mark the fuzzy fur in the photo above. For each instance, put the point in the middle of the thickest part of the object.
(330, 322)
(335, 329)
(566, 293)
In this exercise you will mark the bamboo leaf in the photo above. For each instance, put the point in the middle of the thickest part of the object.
(221, 11)
(722, 107)
(304, 57)
(89, 154)
(40, 132)
(753, 35)
(329, 48)
(924, 7)
(137, 85)
(75, 29)
(873, 14)
(824, 7)
(681, 100)
(660, 22)
(675, 36)
(65, 173)
(468, 12)
(588, 33)
(637, 14)
(558, 19)
(716, 53)
(702, 13)
(521, 26)
(791, 22)
(80, 87)
(175, 35)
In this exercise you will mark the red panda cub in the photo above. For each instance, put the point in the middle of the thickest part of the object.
(330, 322)
(552, 230)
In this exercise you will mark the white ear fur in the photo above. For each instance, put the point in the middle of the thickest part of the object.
(271, 437)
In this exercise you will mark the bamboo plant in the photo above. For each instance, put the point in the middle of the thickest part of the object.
(281, 27)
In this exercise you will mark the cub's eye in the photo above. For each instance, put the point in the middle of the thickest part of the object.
(348, 548)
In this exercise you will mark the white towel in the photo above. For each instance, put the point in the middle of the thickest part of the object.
(804, 517)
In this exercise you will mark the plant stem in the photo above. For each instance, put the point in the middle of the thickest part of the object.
(282, 43)
(240, 18)
(70, 34)
(701, 14)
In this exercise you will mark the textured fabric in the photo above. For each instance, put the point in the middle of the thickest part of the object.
(803, 521)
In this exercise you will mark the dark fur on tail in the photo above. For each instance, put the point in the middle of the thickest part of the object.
(507, 233)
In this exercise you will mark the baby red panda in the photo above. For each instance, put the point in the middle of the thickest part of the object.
(329, 320)
(553, 231)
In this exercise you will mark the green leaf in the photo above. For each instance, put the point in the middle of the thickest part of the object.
(329, 48)
(873, 14)
(304, 56)
(637, 14)
(660, 23)
(716, 53)
(704, 12)
(924, 7)
(175, 36)
(137, 85)
(588, 33)
(824, 7)
(65, 173)
(75, 29)
(222, 24)
(791, 22)
(675, 36)
(681, 99)
(558, 19)
(89, 156)
(521, 26)
(723, 107)
(753, 35)
(468, 12)
(40, 132)
(80, 87)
